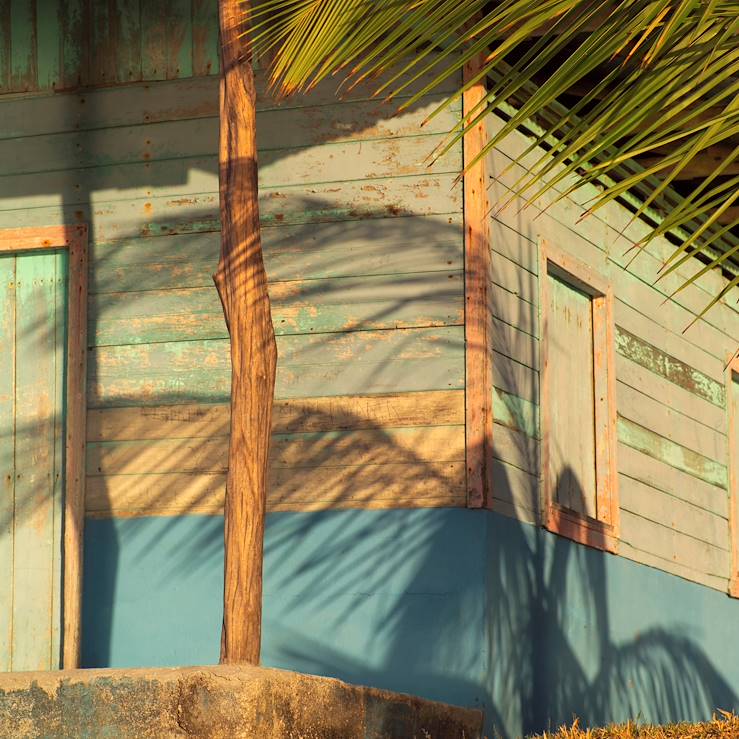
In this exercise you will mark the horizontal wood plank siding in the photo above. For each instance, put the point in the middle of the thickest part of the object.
(672, 454)
(364, 251)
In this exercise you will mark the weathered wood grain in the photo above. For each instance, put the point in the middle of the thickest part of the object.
(661, 476)
(305, 306)
(669, 367)
(400, 485)
(667, 510)
(662, 390)
(387, 246)
(646, 441)
(666, 543)
(515, 378)
(332, 413)
(7, 454)
(516, 413)
(664, 420)
(23, 46)
(361, 362)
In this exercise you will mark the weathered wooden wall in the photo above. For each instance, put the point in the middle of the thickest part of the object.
(364, 249)
(50, 45)
(672, 446)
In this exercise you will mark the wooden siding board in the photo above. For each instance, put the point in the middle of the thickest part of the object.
(515, 413)
(205, 55)
(387, 246)
(667, 510)
(7, 453)
(332, 413)
(659, 475)
(35, 551)
(23, 48)
(677, 456)
(657, 387)
(154, 39)
(648, 331)
(74, 52)
(48, 32)
(357, 362)
(669, 544)
(669, 367)
(515, 378)
(511, 309)
(179, 39)
(511, 342)
(319, 306)
(5, 48)
(664, 420)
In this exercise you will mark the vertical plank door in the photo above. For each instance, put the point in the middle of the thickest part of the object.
(571, 397)
(33, 319)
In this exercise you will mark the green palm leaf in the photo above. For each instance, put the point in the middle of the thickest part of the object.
(655, 81)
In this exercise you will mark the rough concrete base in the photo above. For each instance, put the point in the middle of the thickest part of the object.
(223, 701)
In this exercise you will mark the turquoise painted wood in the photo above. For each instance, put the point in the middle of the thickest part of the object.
(32, 366)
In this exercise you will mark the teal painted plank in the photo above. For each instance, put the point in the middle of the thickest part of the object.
(205, 56)
(61, 310)
(162, 101)
(382, 246)
(7, 453)
(516, 413)
(154, 39)
(5, 29)
(23, 50)
(74, 49)
(103, 43)
(282, 132)
(128, 58)
(179, 39)
(646, 441)
(49, 43)
(34, 547)
(309, 365)
(319, 306)
(672, 369)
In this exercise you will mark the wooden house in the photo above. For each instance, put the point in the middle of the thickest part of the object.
(502, 471)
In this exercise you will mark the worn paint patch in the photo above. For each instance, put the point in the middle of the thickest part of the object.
(667, 451)
(669, 367)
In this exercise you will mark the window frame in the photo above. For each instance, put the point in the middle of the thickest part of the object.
(601, 532)
(732, 421)
(73, 238)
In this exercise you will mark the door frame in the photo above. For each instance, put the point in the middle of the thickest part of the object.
(74, 239)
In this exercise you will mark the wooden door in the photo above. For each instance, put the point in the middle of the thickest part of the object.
(33, 341)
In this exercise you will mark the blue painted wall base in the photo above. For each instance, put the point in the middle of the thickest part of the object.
(463, 606)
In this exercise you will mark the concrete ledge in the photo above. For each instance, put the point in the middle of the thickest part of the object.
(222, 701)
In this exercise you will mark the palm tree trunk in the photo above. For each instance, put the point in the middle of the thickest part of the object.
(242, 286)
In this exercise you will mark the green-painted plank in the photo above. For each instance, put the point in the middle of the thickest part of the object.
(103, 43)
(516, 413)
(61, 309)
(49, 43)
(179, 39)
(672, 369)
(74, 45)
(5, 50)
(23, 50)
(7, 453)
(195, 98)
(667, 451)
(311, 251)
(154, 39)
(128, 58)
(309, 365)
(205, 57)
(34, 547)
(298, 307)
(282, 131)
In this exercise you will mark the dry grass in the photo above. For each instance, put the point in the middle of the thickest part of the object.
(724, 726)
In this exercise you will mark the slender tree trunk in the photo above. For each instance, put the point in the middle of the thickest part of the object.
(242, 285)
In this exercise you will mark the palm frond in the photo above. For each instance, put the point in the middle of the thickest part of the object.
(655, 81)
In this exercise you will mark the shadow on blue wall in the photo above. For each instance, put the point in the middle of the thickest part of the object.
(463, 606)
